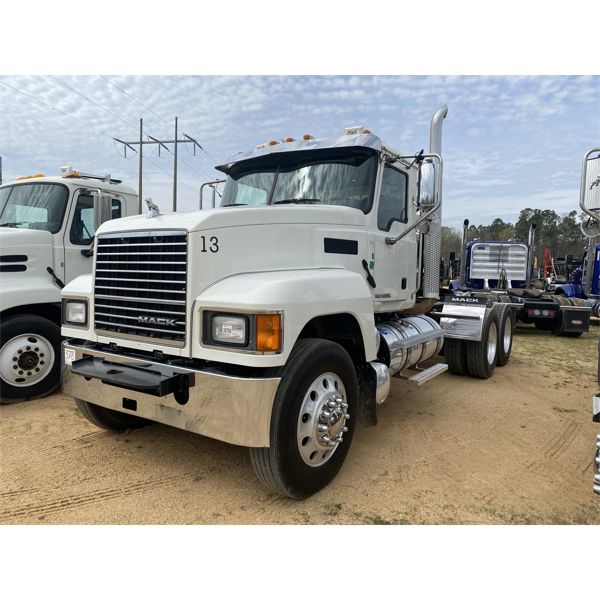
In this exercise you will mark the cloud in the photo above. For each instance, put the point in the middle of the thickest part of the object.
(507, 140)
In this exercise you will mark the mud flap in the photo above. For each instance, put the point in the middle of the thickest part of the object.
(367, 387)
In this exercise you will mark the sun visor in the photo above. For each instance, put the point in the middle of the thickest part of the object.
(346, 141)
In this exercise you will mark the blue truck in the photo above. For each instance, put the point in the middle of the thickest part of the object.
(506, 267)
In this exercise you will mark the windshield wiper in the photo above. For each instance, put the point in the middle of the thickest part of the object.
(298, 201)
(12, 224)
(234, 204)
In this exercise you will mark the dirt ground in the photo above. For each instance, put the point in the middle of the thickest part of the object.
(517, 448)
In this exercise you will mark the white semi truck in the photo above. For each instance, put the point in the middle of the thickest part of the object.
(272, 321)
(47, 227)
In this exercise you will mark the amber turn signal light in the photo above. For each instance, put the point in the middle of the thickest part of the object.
(268, 333)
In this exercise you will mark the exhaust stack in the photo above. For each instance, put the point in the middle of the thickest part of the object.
(433, 239)
(531, 253)
(463, 254)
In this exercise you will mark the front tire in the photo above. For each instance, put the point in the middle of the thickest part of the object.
(108, 419)
(312, 421)
(29, 357)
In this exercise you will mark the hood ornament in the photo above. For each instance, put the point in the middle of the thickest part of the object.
(153, 210)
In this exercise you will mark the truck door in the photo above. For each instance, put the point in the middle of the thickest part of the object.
(79, 234)
(394, 268)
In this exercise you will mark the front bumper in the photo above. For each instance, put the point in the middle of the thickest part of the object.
(232, 409)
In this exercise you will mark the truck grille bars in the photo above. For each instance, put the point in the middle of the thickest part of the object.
(140, 285)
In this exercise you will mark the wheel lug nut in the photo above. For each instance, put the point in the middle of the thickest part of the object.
(19, 351)
(344, 405)
(28, 348)
(322, 427)
(345, 429)
(14, 358)
(326, 414)
(15, 367)
(331, 444)
(325, 438)
(332, 404)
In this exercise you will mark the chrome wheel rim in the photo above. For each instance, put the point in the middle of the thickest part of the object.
(26, 359)
(507, 334)
(492, 343)
(322, 419)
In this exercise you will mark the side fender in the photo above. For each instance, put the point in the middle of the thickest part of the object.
(300, 294)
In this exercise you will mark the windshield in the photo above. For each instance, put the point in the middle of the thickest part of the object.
(342, 177)
(33, 206)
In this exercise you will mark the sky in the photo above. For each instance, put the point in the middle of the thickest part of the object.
(509, 142)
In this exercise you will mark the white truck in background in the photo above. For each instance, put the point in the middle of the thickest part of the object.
(47, 227)
(270, 322)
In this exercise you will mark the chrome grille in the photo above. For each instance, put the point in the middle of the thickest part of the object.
(140, 284)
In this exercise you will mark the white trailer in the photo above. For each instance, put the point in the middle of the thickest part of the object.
(272, 321)
(47, 227)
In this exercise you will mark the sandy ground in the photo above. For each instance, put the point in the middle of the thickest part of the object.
(517, 448)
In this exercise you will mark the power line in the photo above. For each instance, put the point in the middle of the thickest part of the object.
(132, 98)
(67, 86)
(53, 108)
(82, 123)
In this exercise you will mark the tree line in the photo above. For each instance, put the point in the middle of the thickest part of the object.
(560, 233)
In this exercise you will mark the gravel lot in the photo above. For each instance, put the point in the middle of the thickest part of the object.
(517, 448)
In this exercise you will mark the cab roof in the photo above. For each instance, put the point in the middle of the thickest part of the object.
(78, 182)
(365, 140)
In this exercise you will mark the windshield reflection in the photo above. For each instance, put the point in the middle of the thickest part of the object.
(344, 178)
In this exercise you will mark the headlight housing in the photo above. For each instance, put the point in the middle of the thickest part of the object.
(74, 312)
(260, 333)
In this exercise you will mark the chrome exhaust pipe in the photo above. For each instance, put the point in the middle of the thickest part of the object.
(530, 254)
(432, 240)
(463, 254)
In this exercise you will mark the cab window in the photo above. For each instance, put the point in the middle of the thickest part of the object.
(393, 199)
(82, 227)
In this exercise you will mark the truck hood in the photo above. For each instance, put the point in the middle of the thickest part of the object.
(21, 241)
(25, 254)
(242, 216)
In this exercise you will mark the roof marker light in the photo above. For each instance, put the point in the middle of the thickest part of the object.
(30, 176)
(307, 137)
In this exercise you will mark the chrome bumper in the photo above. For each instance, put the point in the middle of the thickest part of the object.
(236, 410)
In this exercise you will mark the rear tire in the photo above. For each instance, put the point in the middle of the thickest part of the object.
(482, 356)
(455, 354)
(298, 463)
(29, 357)
(108, 419)
(506, 319)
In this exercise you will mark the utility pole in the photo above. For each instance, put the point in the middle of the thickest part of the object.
(161, 143)
(141, 166)
(175, 171)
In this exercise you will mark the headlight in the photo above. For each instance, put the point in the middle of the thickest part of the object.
(228, 329)
(75, 312)
(253, 333)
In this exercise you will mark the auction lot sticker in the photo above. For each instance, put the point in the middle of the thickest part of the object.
(69, 356)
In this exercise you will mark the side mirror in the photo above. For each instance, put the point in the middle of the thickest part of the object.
(102, 209)
(427, 185)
